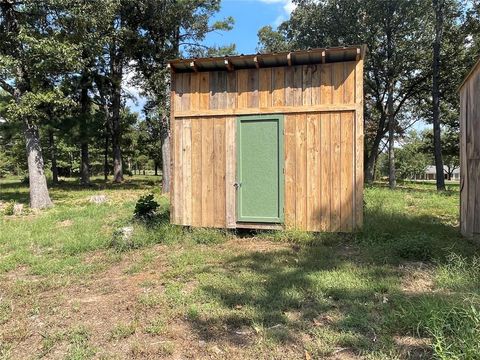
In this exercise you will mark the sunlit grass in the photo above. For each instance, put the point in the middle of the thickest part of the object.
(407, 274)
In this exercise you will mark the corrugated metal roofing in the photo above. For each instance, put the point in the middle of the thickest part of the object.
(304, 57)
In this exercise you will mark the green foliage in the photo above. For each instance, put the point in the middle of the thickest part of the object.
(8, 208)
(455, 332)
(207, 236)
(146, 207)
(410, 159)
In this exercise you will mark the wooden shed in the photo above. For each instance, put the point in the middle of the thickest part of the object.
(470, 154)
(269, 141)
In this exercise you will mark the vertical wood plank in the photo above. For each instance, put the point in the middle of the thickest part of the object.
(187, 172)
(242, 87)
(346, 171)
(289, 86)
(349, 84)
(290, 170)
(195, 91)
(313, 172)
(172, 145)
(301, 171)
(359, 144)
(222, 90)
(207, 173)
(326, 84)
(325, 171)
(297, 85)
(213, 98)
(316, 85)
(252, 98)
(197, 197)
(178, 86)
(219, 171)
(186, 92)
(335, 172)
(204, 90)
(338, 83)
(278, 93)
(265, 86)
(307, 85)
(178, 189)
(230, 171)
(231, 90)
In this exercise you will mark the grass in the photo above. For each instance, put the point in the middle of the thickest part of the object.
(407, 286)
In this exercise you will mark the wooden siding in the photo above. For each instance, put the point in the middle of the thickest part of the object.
(323, 143)
(320, 172)
(268, 90)
(204, 194)
(470, 155)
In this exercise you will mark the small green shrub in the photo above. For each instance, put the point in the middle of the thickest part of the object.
(414, 247)
(146, 207)
(9, 208)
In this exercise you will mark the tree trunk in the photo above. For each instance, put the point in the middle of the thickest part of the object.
(116, 68)
(437, 145)
(85, 113)
(392, 176)
(156, 168)
(105, 157)
(39, 197)
(84, 166)
(107, 145)
(166, 171)
(53, 154)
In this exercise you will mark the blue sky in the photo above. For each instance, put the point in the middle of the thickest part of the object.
(250, 16)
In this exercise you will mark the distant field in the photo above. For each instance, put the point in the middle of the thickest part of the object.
(406, 287)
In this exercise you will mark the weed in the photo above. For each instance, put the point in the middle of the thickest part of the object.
(145, 208)
(9, 208)
(207, 236)
(122, 331)
(156, 326)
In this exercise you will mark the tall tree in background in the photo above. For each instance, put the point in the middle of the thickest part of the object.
(27, 34)
(395, 67)
(164, 30)
(438, 7)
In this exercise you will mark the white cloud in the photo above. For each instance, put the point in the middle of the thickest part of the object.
(288, 5)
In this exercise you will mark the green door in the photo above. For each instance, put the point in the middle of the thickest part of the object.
(260, 168)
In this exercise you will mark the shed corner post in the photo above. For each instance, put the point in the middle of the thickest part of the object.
(171, 135)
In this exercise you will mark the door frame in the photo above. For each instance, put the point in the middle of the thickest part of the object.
(281, 173)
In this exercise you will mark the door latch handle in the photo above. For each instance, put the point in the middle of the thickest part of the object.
(237, 184)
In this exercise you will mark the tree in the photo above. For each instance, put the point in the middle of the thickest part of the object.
(27, 33)
(412, 160)
(394, 72)
(438, 7)
(164, 30)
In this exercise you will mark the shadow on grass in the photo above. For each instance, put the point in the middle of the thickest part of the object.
(348, 292)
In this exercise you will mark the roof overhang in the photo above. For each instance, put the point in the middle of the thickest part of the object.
(477, 65)
(303, 57)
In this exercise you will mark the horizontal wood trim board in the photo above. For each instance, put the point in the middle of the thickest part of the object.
(259, 226)
(270, 110)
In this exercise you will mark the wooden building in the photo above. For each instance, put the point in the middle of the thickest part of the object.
(269, 141)
(470, 154)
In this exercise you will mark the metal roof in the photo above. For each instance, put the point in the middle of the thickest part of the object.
(303, 57)
(470, 73)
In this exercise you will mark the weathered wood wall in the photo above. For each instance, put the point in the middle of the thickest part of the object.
(470, 154)
(323, 107)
